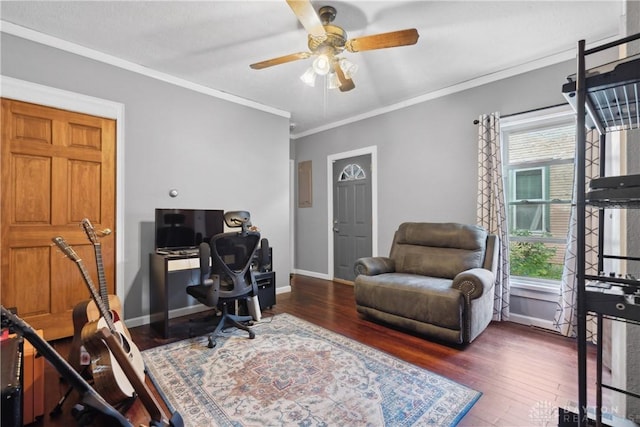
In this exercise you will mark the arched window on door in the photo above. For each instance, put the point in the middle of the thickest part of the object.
(352, 172)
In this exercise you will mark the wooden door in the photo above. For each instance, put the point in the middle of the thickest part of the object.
(57, 167)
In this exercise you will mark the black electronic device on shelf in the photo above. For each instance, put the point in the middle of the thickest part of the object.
(180, 231)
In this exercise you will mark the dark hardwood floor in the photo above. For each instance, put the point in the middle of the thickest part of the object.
(521, 371)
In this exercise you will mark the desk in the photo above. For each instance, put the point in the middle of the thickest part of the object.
(169, 277)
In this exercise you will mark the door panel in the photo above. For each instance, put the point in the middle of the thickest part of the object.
(57, 167)
(32, 280)
(29, 173)
(352, 214)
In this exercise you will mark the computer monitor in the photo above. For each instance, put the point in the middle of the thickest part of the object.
(178, 229)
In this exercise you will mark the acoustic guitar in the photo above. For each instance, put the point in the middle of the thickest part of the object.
(87, 311)
(89, 398)
(109, 378)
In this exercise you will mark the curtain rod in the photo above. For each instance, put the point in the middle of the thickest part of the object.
(476, 121)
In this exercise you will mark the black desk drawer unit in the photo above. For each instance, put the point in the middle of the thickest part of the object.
(266, 288)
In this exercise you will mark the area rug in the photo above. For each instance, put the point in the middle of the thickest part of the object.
(297, 373)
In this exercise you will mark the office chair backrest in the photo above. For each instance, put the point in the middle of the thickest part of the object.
(231, 255)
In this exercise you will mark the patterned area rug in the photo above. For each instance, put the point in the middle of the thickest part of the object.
(296, 373)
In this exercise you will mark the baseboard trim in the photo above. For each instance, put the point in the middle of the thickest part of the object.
(313, 274)
(178, 312)
(343, 281)
(282, 290)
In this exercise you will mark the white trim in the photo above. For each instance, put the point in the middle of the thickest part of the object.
(283, 290)
(531, 321)
(548, 295)
(470, 84)
(47, 40)
(313, 274)
(560, 112)
(178, 312)
(373, 151)
(292, 217)
(22, 90)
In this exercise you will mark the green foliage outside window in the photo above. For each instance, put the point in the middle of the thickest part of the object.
(532, 259)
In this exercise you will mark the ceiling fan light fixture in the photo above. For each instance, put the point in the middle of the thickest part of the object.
(321, 65)
(348, 68)
(309, 77)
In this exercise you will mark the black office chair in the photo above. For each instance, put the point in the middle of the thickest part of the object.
(230, 278)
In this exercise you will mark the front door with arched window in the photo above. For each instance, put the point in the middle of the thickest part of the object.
(351, 213)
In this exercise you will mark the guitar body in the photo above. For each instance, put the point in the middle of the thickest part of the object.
(109, 379)
(83, 313)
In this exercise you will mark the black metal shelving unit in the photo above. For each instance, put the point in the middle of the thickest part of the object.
(606, 98)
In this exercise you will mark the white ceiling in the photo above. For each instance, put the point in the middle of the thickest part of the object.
(212, 43)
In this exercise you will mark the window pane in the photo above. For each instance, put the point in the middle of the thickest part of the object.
(529, 217)
(529, 184)
(536, 259)
(561, 182)
(556, 142)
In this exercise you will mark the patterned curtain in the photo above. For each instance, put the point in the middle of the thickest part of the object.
(491, 212)
(566, 317)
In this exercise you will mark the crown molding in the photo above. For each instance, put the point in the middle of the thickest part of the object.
(469, 84)
(47, 40)
(35, 36)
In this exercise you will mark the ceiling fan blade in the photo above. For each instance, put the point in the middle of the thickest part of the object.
(346, 84)
(308, 17)
(280, 60)
(381, 41)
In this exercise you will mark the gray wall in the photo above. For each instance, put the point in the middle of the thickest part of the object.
(427, 158)
(215, 152)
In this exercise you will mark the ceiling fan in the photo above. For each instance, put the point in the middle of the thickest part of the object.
(327, 41)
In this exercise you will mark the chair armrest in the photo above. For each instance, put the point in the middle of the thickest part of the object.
(472, 283)
(371, 266)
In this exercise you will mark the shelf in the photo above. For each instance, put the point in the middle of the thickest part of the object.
(614, 197)
(606, 98)
(613, 98)
(614, 192)
(616, 306)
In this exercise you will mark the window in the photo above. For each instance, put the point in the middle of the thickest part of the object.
(539, 150)
(352, 172)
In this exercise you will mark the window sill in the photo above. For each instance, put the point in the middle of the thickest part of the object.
(545, 290)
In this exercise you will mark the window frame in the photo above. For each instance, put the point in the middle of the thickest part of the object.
(557, 115)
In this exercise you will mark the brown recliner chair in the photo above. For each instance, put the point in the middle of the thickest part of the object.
(438, 280)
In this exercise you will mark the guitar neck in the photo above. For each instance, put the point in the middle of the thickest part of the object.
(102, 281)
(96, 298)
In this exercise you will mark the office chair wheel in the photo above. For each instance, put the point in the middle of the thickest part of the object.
(252, 335)
(211, 342)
